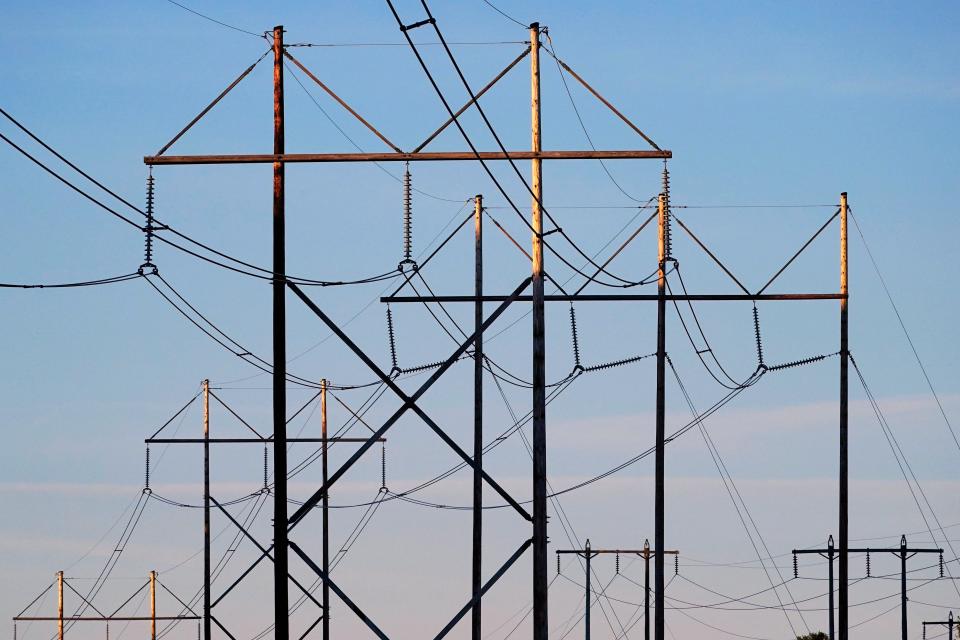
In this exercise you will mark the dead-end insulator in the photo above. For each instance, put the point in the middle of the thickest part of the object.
(575, 337)
(148, 229)
(407, 220)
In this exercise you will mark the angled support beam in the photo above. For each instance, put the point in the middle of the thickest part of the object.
(799, 251)
(340, 101)
(337, 590)
(486, 587)
(233, 585)
(222, 628)
(472, 101)
(409, 402)
(264, 552)
(606, 103)
(711, 254)
(210, 106)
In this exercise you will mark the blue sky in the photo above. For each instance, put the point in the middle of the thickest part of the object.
(762, 103)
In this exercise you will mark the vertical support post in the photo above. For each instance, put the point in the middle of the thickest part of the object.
(950, 626)
(586, 617)
(477, 566)
(830, 554)
(280, 564)
(207, 631)
(903, 587)
(326, 511)
(153, 605)
(844, 358)
(59, 605)
(658, 540)
(646, 590)
(540, 620)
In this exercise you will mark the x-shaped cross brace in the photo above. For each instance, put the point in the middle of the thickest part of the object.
(409, 403)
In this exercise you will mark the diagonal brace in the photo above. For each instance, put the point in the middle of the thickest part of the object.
(483, 590)
(471, 101)
(409, 402)
(340, 594)
(341, 102)
(263, 551)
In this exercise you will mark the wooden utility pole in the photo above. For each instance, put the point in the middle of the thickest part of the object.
(587, 553)
(540, 624)
(207, 631)
(659, 529)
(325, 599)
(280, 552)
(153, 605)
(477, 563)
(844, 421)
(60, 605)
(830, 554)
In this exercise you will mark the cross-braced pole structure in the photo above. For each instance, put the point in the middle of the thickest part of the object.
(285, 524)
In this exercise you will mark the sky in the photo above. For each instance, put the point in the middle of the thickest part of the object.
(770, 109)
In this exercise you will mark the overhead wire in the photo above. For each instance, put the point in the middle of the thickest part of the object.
(496, 137)
(903, 326)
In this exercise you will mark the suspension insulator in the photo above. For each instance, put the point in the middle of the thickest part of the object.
(667, 236)
(149, 228)
(941, 569)
(796, 568)
(407, 218)
(868, 564)
(383, 467)
(617, 563)
(558, 564)
(575, 337)
(265, 472)
(146, 480)
(676, 565)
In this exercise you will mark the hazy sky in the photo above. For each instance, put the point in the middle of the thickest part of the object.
(763, 103)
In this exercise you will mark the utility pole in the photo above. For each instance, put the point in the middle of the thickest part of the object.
(904, 553)
(659, 528)
(60, 605)
(206, 511)
(844, 510)
(153, 605)
(948, 623)
(828, 553)
(587, 553)
(280, 564)
(325, 598)
(540, 622)
(477, 565)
